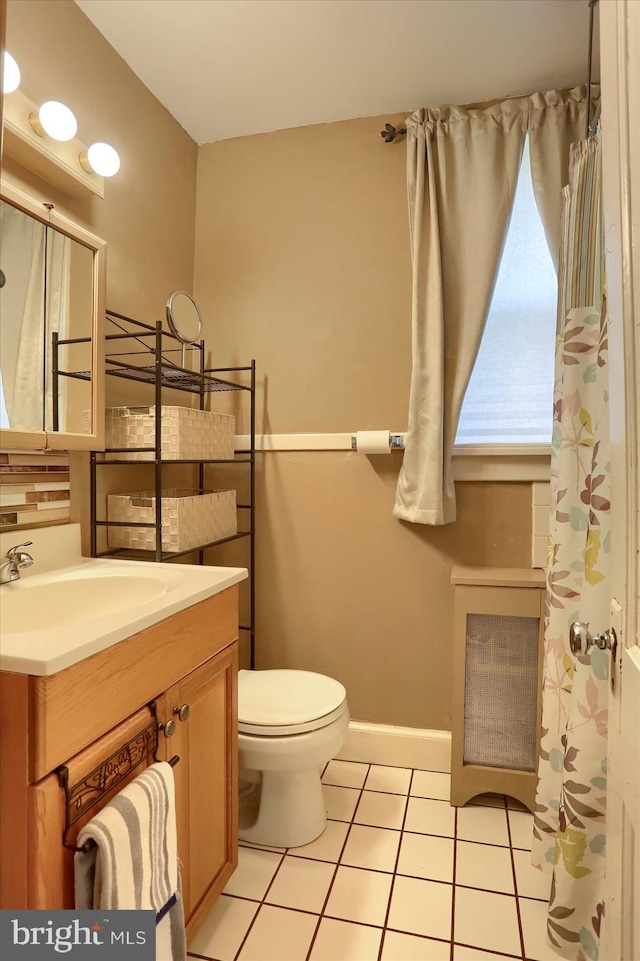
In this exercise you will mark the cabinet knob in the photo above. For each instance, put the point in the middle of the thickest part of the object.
(168, 729)
(182, 712)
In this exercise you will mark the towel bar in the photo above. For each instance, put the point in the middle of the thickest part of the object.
(82, 796)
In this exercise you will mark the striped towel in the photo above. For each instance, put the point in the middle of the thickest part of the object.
(135, 862)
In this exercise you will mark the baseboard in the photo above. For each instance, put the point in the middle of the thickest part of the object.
(397, 746)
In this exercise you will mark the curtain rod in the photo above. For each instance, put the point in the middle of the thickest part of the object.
(391, 133)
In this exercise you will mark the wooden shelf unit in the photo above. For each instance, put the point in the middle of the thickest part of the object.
(497, 682)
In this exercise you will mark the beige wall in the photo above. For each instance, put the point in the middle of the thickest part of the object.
(302, 261)
(148, 211)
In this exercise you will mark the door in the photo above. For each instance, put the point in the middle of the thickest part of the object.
(620, 75)
(203, 707)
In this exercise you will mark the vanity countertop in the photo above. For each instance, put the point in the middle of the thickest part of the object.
(55, 617)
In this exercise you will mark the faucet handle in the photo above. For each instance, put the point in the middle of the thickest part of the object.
(13, 550)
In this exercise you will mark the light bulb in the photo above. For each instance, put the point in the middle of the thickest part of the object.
(11, 74)
(101, 159)
(56, 120)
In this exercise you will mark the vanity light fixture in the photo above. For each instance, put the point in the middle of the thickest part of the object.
(10, 74)
(100, 158)
(55, 120)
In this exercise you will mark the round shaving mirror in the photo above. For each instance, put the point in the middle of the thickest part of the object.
(184, 317)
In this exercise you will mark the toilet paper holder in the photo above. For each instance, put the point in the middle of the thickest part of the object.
(396, 442)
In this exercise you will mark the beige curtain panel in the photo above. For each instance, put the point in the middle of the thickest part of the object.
(462, 170)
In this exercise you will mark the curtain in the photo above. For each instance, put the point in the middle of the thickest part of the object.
(22, 306)
(569, 825)
(38, 308)
(557, 119)
(462, 170)
(57, 306)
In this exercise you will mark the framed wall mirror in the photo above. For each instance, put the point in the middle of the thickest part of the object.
(52, 288)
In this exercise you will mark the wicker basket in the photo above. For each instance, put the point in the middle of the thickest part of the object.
(190, 518)
(187, 433)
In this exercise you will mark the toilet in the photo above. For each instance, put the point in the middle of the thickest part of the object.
(290, 723)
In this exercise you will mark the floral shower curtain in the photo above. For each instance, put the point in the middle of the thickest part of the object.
(569, 826)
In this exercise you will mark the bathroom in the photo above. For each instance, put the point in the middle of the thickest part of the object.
(293, 239)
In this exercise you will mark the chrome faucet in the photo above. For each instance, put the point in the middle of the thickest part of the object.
(15, 562)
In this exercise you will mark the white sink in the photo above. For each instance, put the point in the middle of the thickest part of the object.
(41, 604)
(53, 619)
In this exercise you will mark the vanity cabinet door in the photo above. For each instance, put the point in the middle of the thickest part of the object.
(203, 706)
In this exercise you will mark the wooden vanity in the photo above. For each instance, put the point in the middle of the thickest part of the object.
(185, 668)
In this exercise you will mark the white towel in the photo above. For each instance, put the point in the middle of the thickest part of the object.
(135, 862)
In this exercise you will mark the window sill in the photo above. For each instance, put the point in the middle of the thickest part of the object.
(505, 463)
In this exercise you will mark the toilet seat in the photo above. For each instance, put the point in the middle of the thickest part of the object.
(283, 702)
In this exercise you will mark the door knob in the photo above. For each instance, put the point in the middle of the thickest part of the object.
(182, 712)
(581, 641)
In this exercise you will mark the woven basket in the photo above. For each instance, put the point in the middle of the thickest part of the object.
(190, 518)
(187, 434)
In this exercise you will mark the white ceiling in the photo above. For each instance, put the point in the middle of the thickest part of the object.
(228, 68)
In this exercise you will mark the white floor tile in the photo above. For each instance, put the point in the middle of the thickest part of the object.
(484, 866)
(224, 928)
(325, 848)
(253, 874)
(462, 953)
(521, 825)
(359, 895)
(487, 920)
(431, 784)
(531, 882)
(421, 907)
(301, 883)
(534, 929)
(408, 947)
(340, 802)
(394, 780)
(486, 824)
(342, 941)
(279, 935)
(425, 816)
(425, 856)
(381, 810)
(345, 773)
(374, 848)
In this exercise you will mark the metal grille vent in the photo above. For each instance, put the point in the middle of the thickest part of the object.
(501, 691)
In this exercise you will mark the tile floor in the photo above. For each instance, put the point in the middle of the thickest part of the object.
(398, 875)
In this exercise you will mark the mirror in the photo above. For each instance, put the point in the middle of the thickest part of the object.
(51, 341)
(184, 317)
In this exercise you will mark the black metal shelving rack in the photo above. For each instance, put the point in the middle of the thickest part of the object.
(162, 373)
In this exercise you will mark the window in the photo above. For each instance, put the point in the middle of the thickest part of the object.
(510, 395)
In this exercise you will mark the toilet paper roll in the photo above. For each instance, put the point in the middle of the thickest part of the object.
(373, 441)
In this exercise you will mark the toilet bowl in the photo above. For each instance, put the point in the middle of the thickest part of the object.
(290, 723)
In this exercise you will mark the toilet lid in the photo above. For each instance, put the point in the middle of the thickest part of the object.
(286, 697)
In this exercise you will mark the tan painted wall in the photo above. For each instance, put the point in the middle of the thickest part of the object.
(302, 261)
(148, 212)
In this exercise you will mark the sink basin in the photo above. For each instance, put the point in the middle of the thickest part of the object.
(53, 619)
(35, 605)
